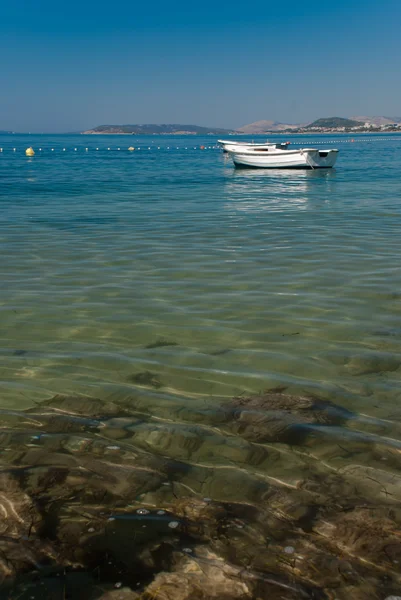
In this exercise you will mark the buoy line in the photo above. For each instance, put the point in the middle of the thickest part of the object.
(32, 152)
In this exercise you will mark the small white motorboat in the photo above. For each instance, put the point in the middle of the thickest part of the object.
(233, 145)
(280, 156)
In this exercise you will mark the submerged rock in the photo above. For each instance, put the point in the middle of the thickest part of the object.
(98, 503)
(21, 548)
(196, 443)
(120, 594)
(365, 533)
(376, 363)
(18, 515)
(83, 405)
(376, 484)
(277, 417)
(146, 378)
(161, 343)
(194, 580)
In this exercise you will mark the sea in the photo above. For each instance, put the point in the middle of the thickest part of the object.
(234, 334)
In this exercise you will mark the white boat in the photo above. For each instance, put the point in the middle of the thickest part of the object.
(280, 156)
(233, 145)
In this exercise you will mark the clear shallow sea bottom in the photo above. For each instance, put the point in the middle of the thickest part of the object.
(149, 301)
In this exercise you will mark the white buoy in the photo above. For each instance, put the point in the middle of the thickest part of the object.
(97, 148)
(63, 149)
(14, 149)
(75, 149)
(1, 149)
(30, 152)
(52, 149)
(108, 148)
(131, 149)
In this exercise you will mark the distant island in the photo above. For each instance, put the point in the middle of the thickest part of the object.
(157, 130)
(322, 125)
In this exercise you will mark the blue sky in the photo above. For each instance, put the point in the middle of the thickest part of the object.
(70, 66)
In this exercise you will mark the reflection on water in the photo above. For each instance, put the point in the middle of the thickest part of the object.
(255, 190)
(285, 175)
(199, 378)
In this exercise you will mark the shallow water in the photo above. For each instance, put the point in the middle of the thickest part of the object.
(166, 282)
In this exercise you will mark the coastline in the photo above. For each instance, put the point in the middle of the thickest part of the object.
(334, 133)
(189, 133)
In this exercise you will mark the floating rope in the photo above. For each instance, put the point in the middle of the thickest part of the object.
(202, 147)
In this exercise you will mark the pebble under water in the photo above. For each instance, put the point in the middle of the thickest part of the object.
(200, 375)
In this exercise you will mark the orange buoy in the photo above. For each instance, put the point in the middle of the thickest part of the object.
(202, 147)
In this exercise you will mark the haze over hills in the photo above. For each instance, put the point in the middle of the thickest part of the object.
(378, 121)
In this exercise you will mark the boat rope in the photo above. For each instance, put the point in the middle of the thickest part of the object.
(307, 159)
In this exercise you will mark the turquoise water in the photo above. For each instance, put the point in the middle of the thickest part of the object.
(166, 277)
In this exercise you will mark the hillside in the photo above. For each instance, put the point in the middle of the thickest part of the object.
(378, 121)
(334, 123)
(157, 130)
(265, 127)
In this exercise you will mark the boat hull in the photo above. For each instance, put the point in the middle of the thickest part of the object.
(286, 159)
